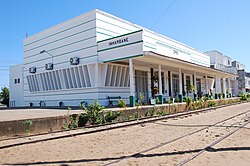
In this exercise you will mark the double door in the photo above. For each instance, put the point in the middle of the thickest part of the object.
(141, 85)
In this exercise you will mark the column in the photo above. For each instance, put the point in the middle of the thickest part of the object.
(206, 83)
(229, 88)
(216, 87)
(185, 84)
(160, 85)
(224, 87)
(195, 87)
(180, 86)
(170, 84)
(167, 83)
(131, 81)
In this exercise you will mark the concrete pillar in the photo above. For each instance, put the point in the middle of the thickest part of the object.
(132, 85)
(160, 80)
(216, 87)
(171, 84)
(160, 84)
(180, 86)
(206, 85)
(185, 83)
(195, 83)
(224, 87)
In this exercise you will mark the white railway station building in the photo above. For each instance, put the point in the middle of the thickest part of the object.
(99, 56)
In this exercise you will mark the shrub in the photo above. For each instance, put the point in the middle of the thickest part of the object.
(121, 103)
(94, 111)
(188, 102)
(4, 96)
(161, 113)
(73, 121)
(27, 126)
(174, 108)
(220, 95)
(151, 112)
(158, 100)
(243, 97)
(95, 114)
(211, 104)
(110, 116)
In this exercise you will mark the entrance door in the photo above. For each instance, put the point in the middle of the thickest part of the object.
(141, 84)
(175, 85)
(198, 86)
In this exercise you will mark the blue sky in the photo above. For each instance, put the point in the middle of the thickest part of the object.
(223, 25)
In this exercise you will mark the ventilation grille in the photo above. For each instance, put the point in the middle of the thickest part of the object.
(117, 76)
(70, 78)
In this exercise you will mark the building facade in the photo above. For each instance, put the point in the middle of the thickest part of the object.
(240, 83)
(97, 56)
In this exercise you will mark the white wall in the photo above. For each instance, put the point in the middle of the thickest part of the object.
(73, 38)
(16, 89)
(171, 48)
(247, 82)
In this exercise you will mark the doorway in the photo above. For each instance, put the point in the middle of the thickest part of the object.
(198, 86)
(141, 85)
(175, 85)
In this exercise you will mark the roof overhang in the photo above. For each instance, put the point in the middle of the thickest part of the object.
(164, 60)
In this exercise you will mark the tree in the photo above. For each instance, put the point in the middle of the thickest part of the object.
(4, 96)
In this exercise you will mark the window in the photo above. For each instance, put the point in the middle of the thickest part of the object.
(17, 80)
(228, 62)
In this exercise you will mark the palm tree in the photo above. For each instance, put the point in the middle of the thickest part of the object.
(4, 96)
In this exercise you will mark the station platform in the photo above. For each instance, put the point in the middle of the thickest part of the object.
(12, 120)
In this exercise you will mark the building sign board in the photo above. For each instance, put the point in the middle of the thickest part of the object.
(121, 47)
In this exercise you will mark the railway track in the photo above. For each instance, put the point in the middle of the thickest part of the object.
(211, 145)
(214, 125)
(88, 130)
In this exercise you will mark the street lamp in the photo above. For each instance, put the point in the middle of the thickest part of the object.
(44, 51)
(48, 66)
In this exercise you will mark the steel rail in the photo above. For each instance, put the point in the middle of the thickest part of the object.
(178, 138)
(212, 144)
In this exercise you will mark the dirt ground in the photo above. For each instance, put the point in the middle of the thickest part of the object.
(156, 143)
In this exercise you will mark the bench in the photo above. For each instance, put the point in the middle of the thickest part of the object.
(113, 99)
(83, 103)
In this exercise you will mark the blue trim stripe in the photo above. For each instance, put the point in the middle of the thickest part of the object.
(126, 34)
(105, 92)
(59, 32)
(104, 34)
(114, 47)
(91, 56)
(63, 54)
(72, 99)
(61, 46)
(149, 47)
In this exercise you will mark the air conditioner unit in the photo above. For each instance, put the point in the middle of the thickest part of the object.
(49, 66)
(32, 70)
(74, 61)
